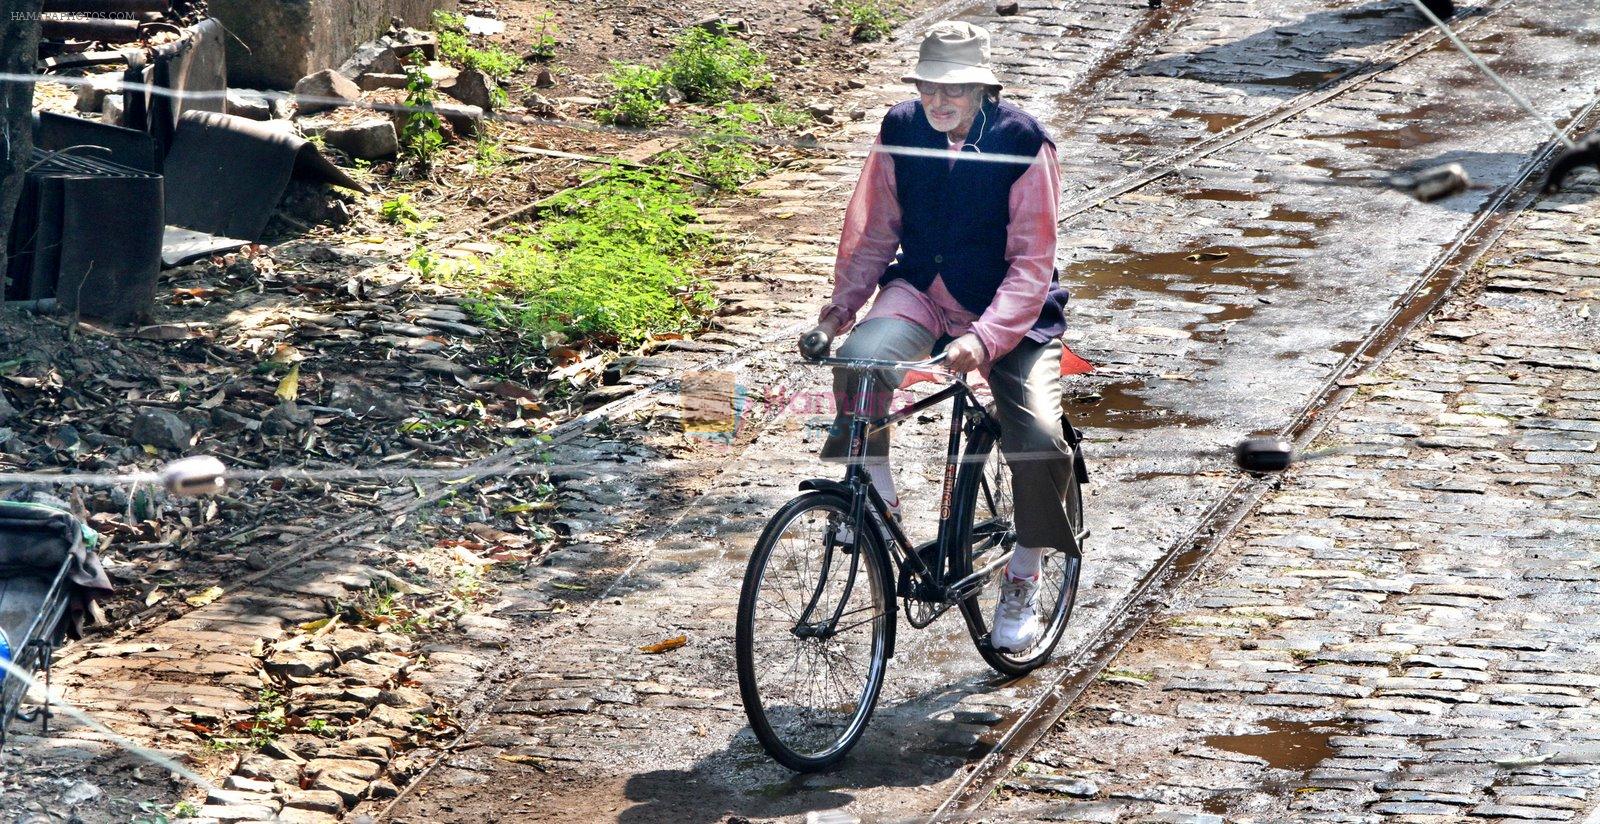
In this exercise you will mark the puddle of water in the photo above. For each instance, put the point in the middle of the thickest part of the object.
(1227, 195)
(1298, 746)
(1117, 406)
(1214, 121)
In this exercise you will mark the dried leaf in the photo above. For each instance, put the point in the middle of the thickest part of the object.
(498, 536)
(285, 355)
(289, 388)
(665, 646)
(532, 506)
(204, 597)
(156, 596)
(1207, 257)
(565, 355)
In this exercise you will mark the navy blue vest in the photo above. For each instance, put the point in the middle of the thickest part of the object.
(955, 217)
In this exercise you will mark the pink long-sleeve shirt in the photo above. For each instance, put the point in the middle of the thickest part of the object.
(871, 238)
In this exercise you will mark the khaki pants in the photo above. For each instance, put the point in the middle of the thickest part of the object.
(1027, 391)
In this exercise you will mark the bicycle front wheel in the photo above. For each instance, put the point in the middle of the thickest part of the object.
(812, 635)
(985, 490)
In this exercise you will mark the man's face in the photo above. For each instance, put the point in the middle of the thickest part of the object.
(950, 106)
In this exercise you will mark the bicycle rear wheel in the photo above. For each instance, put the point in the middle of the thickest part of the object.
(812, 635)
(985, 490)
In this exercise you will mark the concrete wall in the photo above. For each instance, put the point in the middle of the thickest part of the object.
(285, 40)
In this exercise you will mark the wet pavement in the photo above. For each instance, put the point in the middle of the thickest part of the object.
(1404, 631)
(1216, 303)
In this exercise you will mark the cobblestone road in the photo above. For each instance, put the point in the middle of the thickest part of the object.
(597, 730)
(1395, 620)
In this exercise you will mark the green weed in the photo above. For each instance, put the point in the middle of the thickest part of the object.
(637, 100)
(423, 134)
(543, 45)
(399, 211)
(610, 259)
(455, 47)
(710, 68)
(868, 21)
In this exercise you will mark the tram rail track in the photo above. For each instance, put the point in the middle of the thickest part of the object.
(1443, 275)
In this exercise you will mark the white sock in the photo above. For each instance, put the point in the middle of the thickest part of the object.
(1024, 562)
(883, 480)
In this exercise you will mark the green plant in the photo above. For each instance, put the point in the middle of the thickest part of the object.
(609, 259)
(723, 152)
(710, 68)
(399, 211)
(487, 154)
(320, 726)
(185, 809)
(637, 99)
(868, 20)
(543, 45)
(455, 46)
(423, 134)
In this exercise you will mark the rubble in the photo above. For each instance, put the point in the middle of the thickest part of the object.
(315, 91)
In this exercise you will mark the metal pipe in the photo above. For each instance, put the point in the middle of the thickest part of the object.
(105, 31)
(129, 7)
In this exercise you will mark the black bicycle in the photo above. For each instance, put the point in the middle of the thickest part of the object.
(817, 613)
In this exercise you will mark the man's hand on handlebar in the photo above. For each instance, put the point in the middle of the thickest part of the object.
(965, 354)
(816, 343)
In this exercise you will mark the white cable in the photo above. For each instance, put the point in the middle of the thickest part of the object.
(1492, 75)
(56, 703)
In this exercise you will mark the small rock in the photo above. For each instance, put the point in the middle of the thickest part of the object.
(372, 138)
(383, 788)
(92, 95)
(1007, 9)
(285, 418)
(227, 421)
(372, 57)
(248, 104)
(239, 783)
(317, 801)
(348, 787)
(474, 88)
(545, 80)
(373, 81)
(368, 400)
(820, 110)
(111, 109)
(462, 118)
(484, 26)
(80, 792)
(324, 90)
(7, 411)
(722, 25)
(162, 429)
(538, 104)
(260, 559)
(301, 663)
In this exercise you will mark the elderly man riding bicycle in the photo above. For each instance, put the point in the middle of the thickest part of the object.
(953, 225)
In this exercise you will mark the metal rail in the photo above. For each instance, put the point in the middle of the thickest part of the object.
(1186, 556)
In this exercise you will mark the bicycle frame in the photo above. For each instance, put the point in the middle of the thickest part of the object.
(926, 584)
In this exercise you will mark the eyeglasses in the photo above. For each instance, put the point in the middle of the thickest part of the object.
(946, 90)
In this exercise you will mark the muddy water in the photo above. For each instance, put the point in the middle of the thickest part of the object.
(1287, 745)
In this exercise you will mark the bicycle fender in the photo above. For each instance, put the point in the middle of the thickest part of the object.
(825, 485)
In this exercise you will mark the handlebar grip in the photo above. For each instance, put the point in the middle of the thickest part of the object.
(815, 344)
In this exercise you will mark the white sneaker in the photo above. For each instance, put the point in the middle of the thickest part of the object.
(1016, 624)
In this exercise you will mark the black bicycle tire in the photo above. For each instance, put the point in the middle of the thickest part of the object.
(966, 494)
(749, 695)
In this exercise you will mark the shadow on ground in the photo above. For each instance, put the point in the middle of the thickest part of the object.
(1315, 38)
(907, 745)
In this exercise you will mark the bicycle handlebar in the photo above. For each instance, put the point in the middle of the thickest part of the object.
(869, 363)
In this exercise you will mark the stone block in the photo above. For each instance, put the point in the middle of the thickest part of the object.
(276, 42)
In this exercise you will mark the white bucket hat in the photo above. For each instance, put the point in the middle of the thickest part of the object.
(954, 52)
